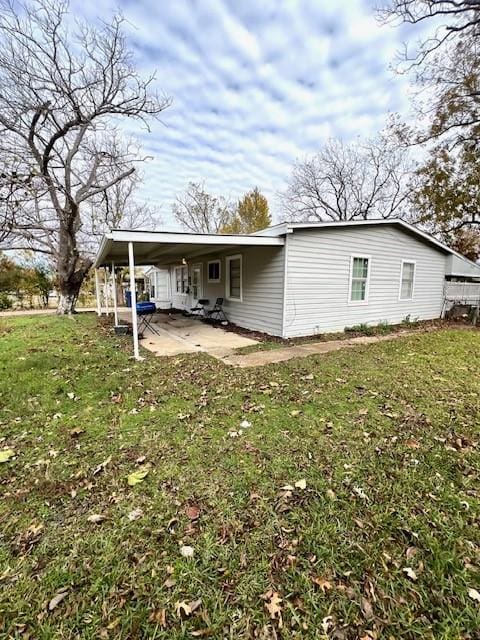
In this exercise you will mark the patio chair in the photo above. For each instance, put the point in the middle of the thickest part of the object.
(199, 308)
(217, 313)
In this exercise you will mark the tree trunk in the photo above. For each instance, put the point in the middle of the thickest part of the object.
(71, 268)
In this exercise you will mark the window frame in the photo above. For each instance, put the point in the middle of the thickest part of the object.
(355, 303)
(214, 280)
(228, 260)
(403, 262)
(182, 280)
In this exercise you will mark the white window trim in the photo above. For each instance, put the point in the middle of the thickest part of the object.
(219, 262)
(356, 303)
(180, 266)
(406, 261)
(228, 259)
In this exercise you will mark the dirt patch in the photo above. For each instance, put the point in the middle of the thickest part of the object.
(423, 325)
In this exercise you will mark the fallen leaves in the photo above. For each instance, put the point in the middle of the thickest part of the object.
(57, 598)
(135, 514)
(6, 454)
(192, 512)
(102, 465)
(96, 518)
(185, 609)
(323, 583)
(273, 605)
(137, 477)
(410, 573)
(301, 484)
(474, 594)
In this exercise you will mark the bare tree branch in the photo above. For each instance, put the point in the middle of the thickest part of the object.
(62, 93)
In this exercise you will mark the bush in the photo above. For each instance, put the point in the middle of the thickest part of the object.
(361, 328)
(5, 302)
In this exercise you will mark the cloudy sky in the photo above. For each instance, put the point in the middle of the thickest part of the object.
(256, 84)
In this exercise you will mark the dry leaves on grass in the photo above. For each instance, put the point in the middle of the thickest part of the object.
(57, 598)
(137, 477)
(192, 511)
(410, 573)
(187, 552)
(6, 454)
(273, 605)
(474, 594)
(185, 609)
(96, 518)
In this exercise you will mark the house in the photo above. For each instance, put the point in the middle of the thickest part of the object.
(157, 286)
(297, 279)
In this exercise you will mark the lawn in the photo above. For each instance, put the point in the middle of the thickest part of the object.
(334, 496)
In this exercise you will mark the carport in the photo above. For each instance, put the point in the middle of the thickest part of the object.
(121, 248)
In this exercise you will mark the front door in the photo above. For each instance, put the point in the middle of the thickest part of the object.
(196, 290)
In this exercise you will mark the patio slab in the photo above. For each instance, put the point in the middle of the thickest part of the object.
(179, 334)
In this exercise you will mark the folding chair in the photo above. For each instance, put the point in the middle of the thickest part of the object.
(199, 308)
(217, 312)
(145, 311)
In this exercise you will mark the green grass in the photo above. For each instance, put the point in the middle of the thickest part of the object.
(386, 437)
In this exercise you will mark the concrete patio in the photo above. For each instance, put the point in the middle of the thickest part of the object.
(182, 334)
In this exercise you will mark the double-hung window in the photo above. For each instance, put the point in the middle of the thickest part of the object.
(214, 271)
(181, 279)
(407, 280)
(234, 277)
(359, 279)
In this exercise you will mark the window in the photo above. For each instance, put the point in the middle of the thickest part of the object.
(234, 277)
(359, 277)
(181, 279)
(214, 271)
(407, 279)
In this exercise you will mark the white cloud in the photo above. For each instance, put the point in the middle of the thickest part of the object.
(255, 85)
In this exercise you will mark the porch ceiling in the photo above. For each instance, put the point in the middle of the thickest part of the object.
(157, 247)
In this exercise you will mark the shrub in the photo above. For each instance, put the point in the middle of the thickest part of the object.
(5, 302)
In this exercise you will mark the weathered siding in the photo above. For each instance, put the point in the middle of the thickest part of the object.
(261, 308)
(318, 278)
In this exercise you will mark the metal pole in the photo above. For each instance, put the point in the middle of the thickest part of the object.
(105, 290)
(114, 294)
(97, 293)
(131, 266)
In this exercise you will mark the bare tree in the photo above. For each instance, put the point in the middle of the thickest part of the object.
(349, 182)
(62, 93)
(445, 66)
(200, 212)
(451, 19)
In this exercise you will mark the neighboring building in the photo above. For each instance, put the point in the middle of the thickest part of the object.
(157, 286)
(296, 279)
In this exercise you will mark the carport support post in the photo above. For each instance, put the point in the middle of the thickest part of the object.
(114, 294)
(105, 289)
(131, 267)
(97, 292)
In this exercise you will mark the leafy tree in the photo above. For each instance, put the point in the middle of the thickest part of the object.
(251, 214)
(200, 212)
(447, 198)
(64, 86)
(350, 182)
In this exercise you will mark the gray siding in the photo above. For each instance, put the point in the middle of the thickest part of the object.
(261, 308)
(318, 278)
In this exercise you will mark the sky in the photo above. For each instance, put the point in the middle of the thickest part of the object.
(255, 86)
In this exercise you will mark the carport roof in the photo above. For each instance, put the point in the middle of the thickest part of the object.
(167, 247)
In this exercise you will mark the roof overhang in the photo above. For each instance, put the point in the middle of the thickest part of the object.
(164, 247)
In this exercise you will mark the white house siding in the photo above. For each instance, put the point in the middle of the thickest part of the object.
(261, 308)
(160, 278)
(318, 278)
